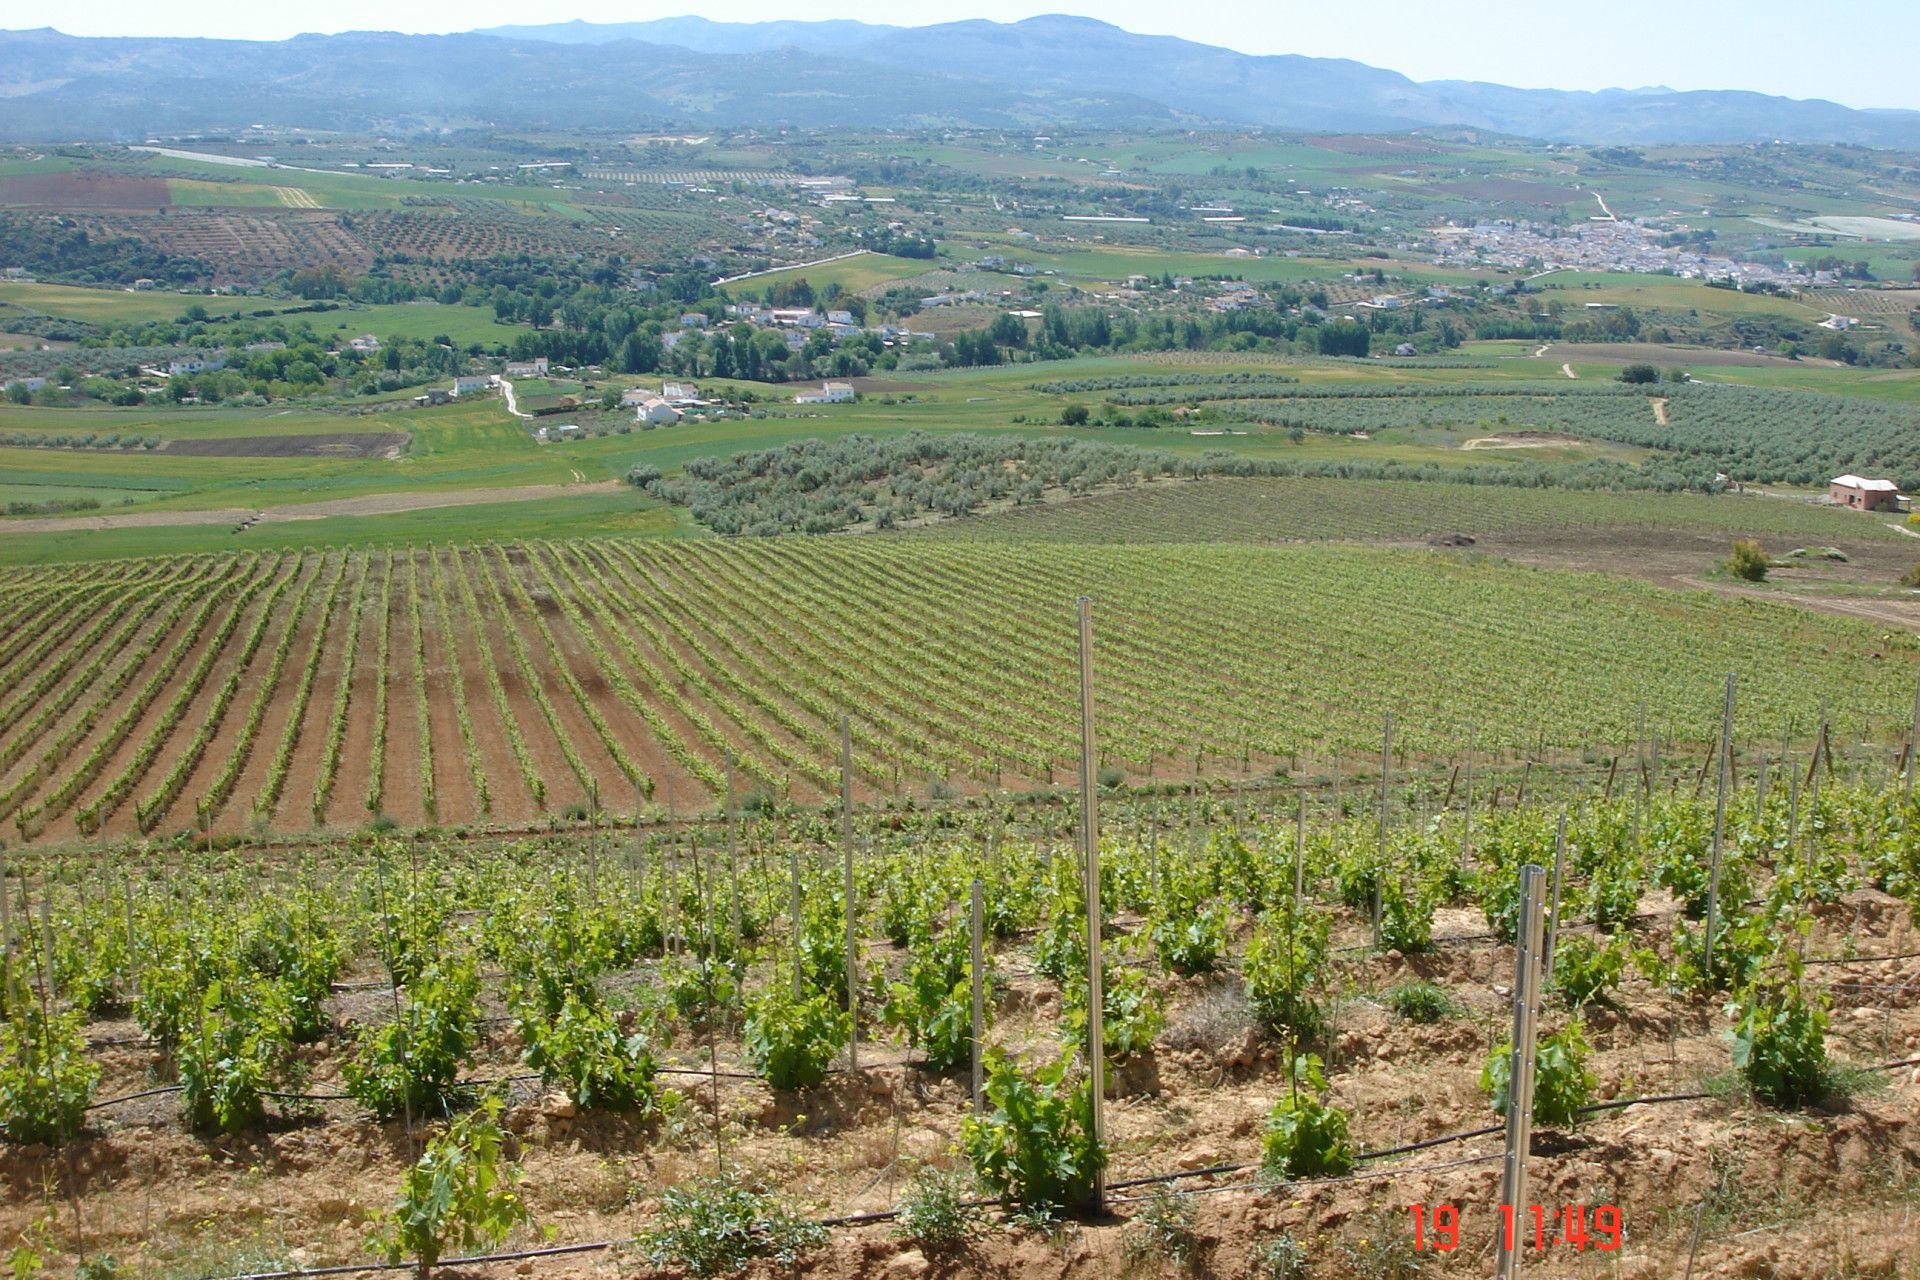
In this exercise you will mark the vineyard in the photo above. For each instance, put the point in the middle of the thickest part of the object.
(500, 683)
(673, 1050)
(1286, 509)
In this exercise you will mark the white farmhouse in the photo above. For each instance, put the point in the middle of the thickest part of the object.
(829, 393)
(656, 411)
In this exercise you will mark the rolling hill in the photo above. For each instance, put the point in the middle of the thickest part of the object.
(1042, 71)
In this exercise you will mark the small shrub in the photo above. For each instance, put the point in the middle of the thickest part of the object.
(1911, 578)
(1748, 561)
(1190, 936)
(934, 1213)
(581, 1049)
(46, 1076)
(1283, 1258)
(1422, 1002)
(1131, 1017)
(793, 1042)
(412, 1064)
(1034, 1144)
(1164, 1230)
(1305, 1137)
(1406, 918)
(458, 1193)
(1281, 966)
(1562, 1081)
(934, 1006)
(1780, 1047)
(238, 1051)
(1586, 972)
(717, 1226)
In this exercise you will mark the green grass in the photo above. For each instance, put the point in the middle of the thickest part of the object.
(476, 445)
(1666, 293)
(193, 192)
(104, 306)
(110, 497)
(624, 513)
(851, 274)
(1283, 509)
(422, 320)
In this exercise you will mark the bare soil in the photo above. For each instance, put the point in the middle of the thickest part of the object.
(85, 191)
(355, 444)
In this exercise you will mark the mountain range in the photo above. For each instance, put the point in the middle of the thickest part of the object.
(690, 72)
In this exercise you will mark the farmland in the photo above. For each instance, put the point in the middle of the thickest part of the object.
(249, 689)
(281, 1026)
(382, 782)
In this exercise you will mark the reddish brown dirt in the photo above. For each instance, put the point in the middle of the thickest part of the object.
(742, 745)
(628, 729)
(550, 763)
(85, 191)
(403, 797)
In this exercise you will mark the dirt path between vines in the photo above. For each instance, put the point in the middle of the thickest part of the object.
(372, 504)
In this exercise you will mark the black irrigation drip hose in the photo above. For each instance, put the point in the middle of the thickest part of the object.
(133, 1097)
(517, 1255)
(1904, 955)
(1259, 1184)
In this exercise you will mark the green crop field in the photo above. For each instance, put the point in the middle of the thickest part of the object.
(851, 274)
(593, 665)
(1284, 509)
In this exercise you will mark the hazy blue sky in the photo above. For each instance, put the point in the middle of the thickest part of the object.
(1858, 52)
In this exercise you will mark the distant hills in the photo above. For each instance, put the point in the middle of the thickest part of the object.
(688, 71)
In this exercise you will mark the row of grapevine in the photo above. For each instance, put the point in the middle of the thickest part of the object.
(456, 682)
(953, 663)
(342, 695)
(101, 683)
(265, 691)
(186, 758)
(282, 759)
(382, 655)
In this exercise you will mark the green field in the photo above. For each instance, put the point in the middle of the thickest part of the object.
(1277, 509)
(475, 445)
(851, 274)
(105, 306)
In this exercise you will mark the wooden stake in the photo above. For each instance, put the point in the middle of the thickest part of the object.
(1526, 984)
(1090, 840)
(1913, 742)
(853, 912)
(1553, 911)
(1380, 866)
(978, 980)
(1719, 819)
(733, 858)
